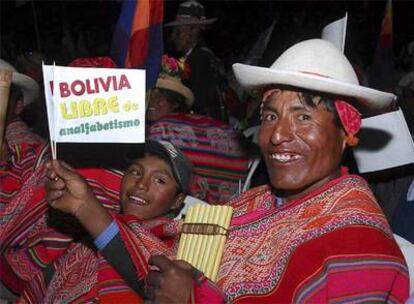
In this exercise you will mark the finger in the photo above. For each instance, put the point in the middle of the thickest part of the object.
(53, 204)
(56, 185)
(49, 164)
(67, 166)
(184, 265)
(154, 278)
(63, 170)
(53, 196)
(51, 174)
(161, 261)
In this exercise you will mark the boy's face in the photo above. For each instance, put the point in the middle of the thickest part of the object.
(149, 188)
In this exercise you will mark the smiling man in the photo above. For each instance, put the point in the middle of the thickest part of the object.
(315, 233)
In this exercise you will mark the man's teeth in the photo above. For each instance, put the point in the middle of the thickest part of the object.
(138, 200)
(284, 157)
(152, 109)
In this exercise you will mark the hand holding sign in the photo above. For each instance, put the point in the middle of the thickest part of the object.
(66, 190)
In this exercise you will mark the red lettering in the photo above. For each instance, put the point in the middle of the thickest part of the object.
(92, 86)
(89, 90)
(105, 84)
(64, 89)
(51, 86)
(123, 82)
(77, 91)
(96, 83)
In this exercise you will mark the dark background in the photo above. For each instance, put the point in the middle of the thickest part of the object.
(72, 29)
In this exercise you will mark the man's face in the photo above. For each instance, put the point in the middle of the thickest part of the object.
(149, 189)
(301, 145)
(181, 38)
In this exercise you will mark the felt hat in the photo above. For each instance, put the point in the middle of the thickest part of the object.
(190, 12)
(316, 65)
(28, 85)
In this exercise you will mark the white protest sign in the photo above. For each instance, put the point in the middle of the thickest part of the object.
(385, 142)
(98, 105)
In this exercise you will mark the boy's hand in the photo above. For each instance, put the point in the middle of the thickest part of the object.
(171, 284)
(66, 190)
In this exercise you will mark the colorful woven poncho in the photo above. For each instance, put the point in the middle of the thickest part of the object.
(213, 147)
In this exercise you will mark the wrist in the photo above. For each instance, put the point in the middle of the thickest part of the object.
(93, 217)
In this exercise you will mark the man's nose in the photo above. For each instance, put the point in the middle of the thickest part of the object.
(282, 131)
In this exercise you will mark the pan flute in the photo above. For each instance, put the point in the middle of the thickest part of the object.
(203, 237)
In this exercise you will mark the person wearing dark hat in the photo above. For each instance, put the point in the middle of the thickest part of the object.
(315, 234)
(154, 183)
(215, 149)
(206, 80)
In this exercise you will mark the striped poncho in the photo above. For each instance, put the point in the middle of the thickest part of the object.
(27, 151)
(332, 246)
(220, 162)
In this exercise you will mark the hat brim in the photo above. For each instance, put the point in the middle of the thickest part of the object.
(177, 87)
(29, 87)
(252, 78)
(188, 22)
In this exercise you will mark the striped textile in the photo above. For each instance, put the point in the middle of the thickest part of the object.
(332, 246)
(213, 147)
(27, 151)
(99, 281)
(137, 41)
(32, 235)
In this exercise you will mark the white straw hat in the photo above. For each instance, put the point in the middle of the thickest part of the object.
(29, 86)
(317, 65)
(174, 84)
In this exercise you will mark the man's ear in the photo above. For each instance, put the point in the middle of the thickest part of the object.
(179, 200)
(343, 138)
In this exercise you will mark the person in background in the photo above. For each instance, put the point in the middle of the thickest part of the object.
(154, 183)
(215, 149)
(22, 156)
(206, 80)
(22, 151)
(315, 233)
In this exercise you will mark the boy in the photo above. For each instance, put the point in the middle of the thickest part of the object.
(152, 185)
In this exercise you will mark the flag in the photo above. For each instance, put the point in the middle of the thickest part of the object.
(137, 41)
(259, 47)
(383, 75)
(253, 57)
(335, 32)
